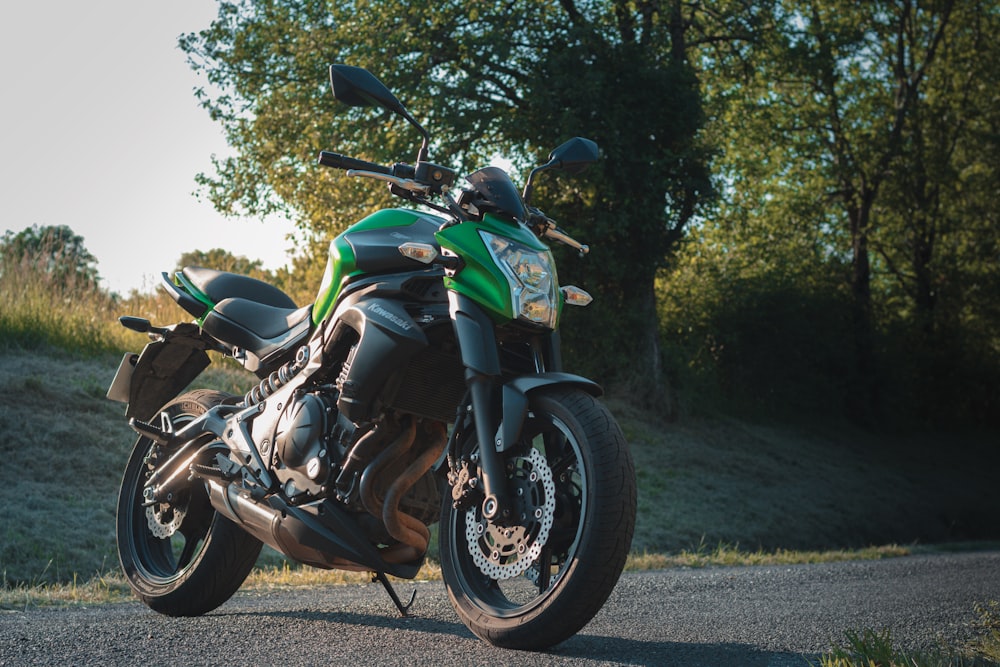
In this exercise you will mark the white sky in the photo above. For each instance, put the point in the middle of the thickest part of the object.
(100, 131)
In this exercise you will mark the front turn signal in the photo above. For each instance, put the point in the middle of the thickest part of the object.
(424, 253)
(575, 296)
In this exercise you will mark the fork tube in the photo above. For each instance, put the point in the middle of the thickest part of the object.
(477, 341)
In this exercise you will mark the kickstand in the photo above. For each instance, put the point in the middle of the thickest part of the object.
(403, 609)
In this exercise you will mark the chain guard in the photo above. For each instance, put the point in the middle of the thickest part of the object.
(504, 552)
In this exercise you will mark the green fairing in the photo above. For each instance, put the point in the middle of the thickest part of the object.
(342, 266)
(481, 279)
(339, 264)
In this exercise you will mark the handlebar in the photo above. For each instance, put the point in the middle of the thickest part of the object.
(426, 178)
(338, 161)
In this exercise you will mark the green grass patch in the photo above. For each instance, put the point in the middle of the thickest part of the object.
(876, 648)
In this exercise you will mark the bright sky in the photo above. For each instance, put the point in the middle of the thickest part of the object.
(100, 131)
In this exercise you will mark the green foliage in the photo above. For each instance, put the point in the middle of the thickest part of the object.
(223, 260)
(498, 78)
(849, 265)
(876, 648)
(856, 232)
(53, 254)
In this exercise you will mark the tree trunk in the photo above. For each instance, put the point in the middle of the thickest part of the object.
(863, 400)
(644, 377)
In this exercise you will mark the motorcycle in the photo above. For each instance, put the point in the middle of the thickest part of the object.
(424, 385)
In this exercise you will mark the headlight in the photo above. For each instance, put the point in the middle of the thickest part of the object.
(531, 274)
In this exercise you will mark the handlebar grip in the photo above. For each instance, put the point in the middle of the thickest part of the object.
(338, 161)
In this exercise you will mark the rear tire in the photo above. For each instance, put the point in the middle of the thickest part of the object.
(507, 589)
(196, 559)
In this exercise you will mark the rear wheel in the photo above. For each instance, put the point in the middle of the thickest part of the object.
(181, 558)
(535, 581)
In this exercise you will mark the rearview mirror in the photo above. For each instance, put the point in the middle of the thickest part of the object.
(574, 155)
(359, 88)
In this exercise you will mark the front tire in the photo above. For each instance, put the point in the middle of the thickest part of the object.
(180, 558)
(534, 584)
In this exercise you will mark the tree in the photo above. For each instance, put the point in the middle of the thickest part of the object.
(940, 234)
(223, 260)
(514, 78)
(859, 158)
(55, 252)
(828, 114)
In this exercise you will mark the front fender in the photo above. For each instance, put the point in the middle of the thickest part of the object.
(515, 401)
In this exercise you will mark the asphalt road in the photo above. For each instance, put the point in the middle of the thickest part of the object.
(759, 616)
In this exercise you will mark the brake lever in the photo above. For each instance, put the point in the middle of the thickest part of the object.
(559, 235)
(548, 229)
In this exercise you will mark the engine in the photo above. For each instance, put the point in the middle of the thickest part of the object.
(306, 440)
(383, 474)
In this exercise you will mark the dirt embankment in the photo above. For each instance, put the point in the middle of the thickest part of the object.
(63, 448)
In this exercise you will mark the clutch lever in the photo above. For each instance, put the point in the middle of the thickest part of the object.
(407, 184)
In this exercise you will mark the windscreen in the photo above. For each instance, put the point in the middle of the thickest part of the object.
(494, 185)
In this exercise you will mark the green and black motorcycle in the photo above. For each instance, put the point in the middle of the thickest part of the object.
(424, 384)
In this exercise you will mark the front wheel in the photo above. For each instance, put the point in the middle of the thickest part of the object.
(180, 557)
(534, 581)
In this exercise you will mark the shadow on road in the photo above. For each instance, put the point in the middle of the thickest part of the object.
(413, 623)
(590, 649)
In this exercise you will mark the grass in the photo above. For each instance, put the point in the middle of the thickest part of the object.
(40, 312)
(875, 648)
(763, 493)
(732, 555)
(700, 482)
(274, 574)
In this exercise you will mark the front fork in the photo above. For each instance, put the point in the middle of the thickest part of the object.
(499, 408)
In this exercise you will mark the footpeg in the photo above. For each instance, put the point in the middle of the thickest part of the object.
(153, 432)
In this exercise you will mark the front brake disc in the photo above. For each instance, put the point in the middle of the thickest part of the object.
(503, 552)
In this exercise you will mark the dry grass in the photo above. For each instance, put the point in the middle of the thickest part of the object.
(111, 587)
(280, 574)
(732, 555)
(39, 312)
